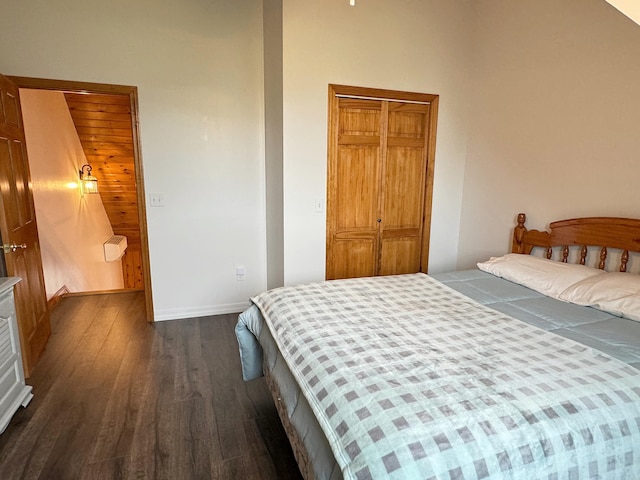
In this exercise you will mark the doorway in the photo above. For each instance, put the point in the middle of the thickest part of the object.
(118, 164)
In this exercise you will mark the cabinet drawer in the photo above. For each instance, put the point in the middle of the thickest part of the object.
(6, 305)
(9, 384)
(7, 346)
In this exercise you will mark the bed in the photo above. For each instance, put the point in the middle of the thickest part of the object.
(522, 368)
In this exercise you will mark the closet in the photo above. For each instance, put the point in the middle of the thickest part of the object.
(381, 146)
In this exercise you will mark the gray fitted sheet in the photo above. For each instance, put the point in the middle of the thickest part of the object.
(618, 337)
(613, 335)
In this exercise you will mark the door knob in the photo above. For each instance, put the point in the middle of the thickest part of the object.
(13, 247)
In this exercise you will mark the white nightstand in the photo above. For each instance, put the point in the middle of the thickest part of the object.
(13, 390)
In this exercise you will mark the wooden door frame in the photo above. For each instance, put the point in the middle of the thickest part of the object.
(336, 91)
(132, 93)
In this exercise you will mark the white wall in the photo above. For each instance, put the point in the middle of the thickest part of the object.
(71, 227)
(553, 129)
(555, 125)
(198, 68)
(272, 12)
(420, 46)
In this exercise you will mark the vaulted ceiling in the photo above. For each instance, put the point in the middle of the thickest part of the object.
(631, 8)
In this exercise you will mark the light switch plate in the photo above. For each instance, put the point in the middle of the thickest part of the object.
(156, 199)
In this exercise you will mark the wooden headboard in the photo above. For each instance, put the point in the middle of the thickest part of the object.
(600, 232)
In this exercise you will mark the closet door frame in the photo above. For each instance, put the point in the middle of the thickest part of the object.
(344, 91)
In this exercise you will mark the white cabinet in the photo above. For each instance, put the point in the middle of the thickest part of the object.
(13, 391)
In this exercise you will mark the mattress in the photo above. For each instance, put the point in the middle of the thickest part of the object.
(612, 335)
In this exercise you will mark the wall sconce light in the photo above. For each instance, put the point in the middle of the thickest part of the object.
(88, 183)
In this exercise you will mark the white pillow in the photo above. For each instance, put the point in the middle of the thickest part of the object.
(617, 293)
(539, 274)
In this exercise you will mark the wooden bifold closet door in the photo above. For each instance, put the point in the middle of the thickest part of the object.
(380, 177)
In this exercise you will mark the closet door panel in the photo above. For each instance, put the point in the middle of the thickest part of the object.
(403, 192)
(359, 117)
(356, 196)
(403, 189)
(408, 120)
(399, 255)
(401, 234)
(354, 199)
(354, 257)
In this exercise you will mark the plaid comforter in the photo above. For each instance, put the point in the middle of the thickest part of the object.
(410, 379)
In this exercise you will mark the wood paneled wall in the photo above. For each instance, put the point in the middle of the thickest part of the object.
(104, 127)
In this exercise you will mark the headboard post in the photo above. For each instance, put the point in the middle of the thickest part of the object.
(518, 234)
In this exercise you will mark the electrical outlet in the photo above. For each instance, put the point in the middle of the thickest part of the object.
(240, 273)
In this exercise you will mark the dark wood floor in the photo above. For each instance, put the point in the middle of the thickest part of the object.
(115, 397)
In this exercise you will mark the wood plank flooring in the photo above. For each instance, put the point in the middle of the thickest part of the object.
(117, 398)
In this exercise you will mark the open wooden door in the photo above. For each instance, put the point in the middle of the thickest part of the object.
(19, 231)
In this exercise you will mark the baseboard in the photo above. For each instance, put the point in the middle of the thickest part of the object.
(105, 292)
(55, 299)
(195, 312)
